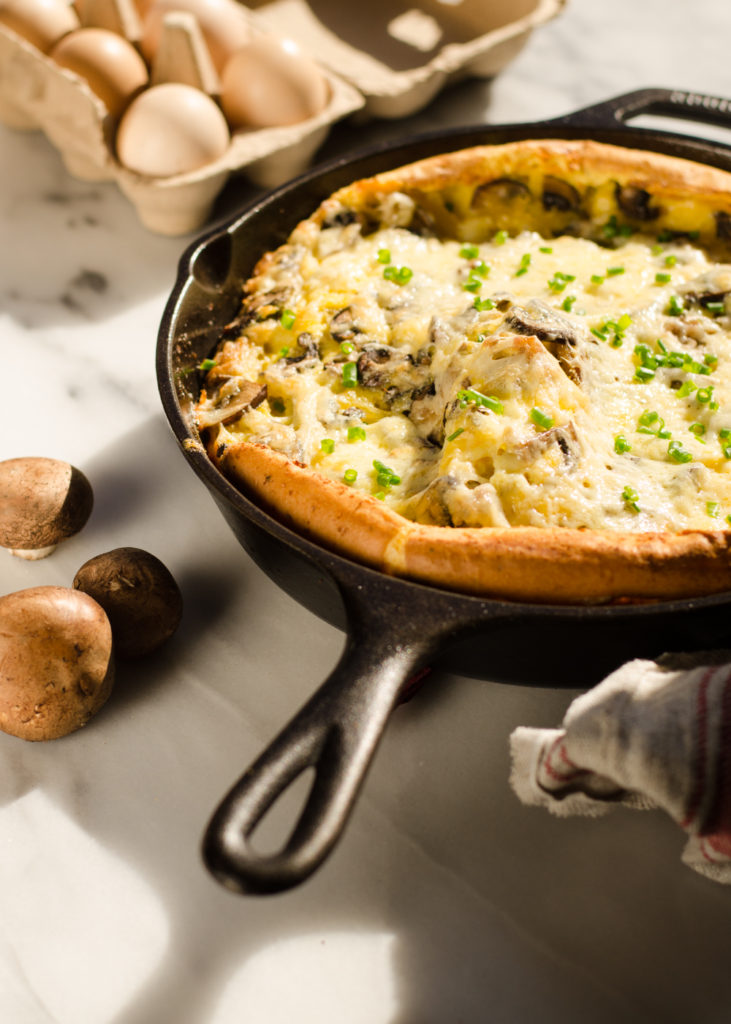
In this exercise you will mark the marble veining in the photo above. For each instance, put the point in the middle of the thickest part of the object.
(446, 900)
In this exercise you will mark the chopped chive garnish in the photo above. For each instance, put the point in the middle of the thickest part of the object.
(346, 347)
(540, 418)
(568, 303)
(327, 445)
(613, 229)
(483, 304)
(399, 275)
(500, 237)
(559, 281)
(644, 374)
(687, 388)
(675, 306)
(383, 255)
(670, 260)
(287, 318)
(710, 360)
(698, 429)
(712, 508)
(651, 422)
(630, 498)
(613, 271)
(705, 395)
(470, 396)
(677, 453)
(469, 252)
(481, 268)
(455, 435)
(472, 284)
(350, 375)
(385, 476)
(350, 476)
(284, 351)
(714, 307)
(597, 279)
(621, 444)
(545, 248)
(356, 434)
(206, 364)
(524, 264)
(663, 278)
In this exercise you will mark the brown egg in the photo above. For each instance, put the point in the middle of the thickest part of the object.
(111, 66)
(222, 23)
(271, 82)
(171, 129)
(41, 22)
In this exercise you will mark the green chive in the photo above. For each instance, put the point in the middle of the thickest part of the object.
(714, 307)
(644, 374)
(524, 264)
(687, 388)
(356, 434)
(541, 419)
(613, 271)
(472, 396)
(621, 445)
(385, 476)
(568, 303)
(472, 284)
(500, 237)
(206, 365)
(630, 498)
(399, 275)
(327, 445)
(350, 375)
(346, 347)
(663, 278)
(671, 260)
(546, 248)
(675, 306)
(481, 268)
(559, 281)
(597, 279)
(698, 429)
(678, 453)
(704, 395)
(455, 435)
(383, 255)
(469, 252)
(712, 508)
(350, 476)
(483, 304)
(287, 318)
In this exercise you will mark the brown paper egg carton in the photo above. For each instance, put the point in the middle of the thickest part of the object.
(411, 54)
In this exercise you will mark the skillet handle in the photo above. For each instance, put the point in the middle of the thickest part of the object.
(687, 106)
(336, 732)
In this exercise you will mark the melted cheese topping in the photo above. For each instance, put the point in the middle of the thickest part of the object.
(520, 381)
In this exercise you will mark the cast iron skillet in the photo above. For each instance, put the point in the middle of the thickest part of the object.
(394, 627)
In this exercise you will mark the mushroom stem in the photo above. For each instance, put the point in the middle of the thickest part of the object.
(32, 554)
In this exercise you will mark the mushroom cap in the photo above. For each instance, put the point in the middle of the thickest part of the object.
(138, 593)
(56, 663)
(42, 501)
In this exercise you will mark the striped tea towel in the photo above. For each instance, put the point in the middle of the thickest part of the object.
(649, 735)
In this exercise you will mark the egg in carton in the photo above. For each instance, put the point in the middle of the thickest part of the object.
(167, 99)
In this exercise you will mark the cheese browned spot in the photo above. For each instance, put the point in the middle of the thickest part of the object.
(534, 337)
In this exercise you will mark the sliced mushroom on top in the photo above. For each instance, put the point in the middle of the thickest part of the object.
(230, 398)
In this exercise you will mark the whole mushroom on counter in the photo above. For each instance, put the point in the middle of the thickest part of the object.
(56, 661)
(42, 502)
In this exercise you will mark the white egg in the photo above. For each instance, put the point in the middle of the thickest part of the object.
(171, 129)
(271, 82)
(222, 23)
(41, 22)
(111, 66)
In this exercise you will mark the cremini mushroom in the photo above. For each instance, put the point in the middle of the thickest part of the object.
(56, 661)
(138, 593)
(42, 502)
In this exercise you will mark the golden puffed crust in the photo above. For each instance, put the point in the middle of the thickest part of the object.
(553, 565)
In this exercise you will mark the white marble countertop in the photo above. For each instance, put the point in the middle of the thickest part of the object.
(446, 900)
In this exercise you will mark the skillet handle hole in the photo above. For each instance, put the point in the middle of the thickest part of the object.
(273, 830)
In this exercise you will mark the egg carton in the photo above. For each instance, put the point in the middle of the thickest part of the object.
(383, 59)
(37, 93)
(400, 55)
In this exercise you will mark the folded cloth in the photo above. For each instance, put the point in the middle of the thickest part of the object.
(649, 735)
